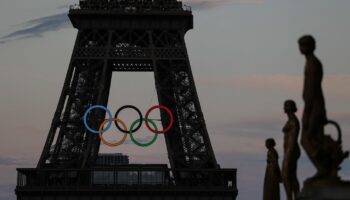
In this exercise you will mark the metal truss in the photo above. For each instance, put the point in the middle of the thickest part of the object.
(100, 51)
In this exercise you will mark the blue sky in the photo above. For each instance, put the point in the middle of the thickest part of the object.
(245, 61)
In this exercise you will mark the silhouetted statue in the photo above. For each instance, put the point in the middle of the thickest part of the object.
(291, 151)
(272, 174)
(325, 153)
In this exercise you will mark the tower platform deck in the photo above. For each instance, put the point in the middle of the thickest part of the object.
(125, 182)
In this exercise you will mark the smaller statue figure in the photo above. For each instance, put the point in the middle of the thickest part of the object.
(273, 173)
(291, 151)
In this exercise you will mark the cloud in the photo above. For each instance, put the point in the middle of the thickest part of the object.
(63, 7)
(334, 84)
(10, 161)
(210, 4)
(37, 27)
(7, 192)
(344, 116)
(205, 5)
(245, 137)
(251, 132)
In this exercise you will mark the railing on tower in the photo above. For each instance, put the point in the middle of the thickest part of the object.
(224, 179)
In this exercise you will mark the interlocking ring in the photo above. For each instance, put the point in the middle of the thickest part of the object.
(161, 108)
(138, 112)
(143, 144)
(108, 143)
(124, 128)
(89, 110)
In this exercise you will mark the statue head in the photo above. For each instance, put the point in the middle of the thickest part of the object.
(307, 44)
(290, 106)
(270, 143)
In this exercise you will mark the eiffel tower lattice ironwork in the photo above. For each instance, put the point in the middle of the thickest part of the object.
(146, 41)
(134, 36)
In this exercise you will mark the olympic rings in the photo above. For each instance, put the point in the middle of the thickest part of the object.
(138, 112)
(124, 128)
(162, 108)
(143, 144)
(103, 108)
(112, 144)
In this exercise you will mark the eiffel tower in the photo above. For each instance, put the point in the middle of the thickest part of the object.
(116, 36)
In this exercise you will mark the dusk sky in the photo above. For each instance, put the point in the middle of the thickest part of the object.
(245, 60)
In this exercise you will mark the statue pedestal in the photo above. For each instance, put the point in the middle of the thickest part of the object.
(325, 190)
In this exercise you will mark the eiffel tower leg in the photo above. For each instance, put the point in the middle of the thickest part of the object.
(56, 119)
(188, 141)
(87, 83)
(93, 146)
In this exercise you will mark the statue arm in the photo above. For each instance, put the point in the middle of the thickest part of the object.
(294, 133)
(290, 148)
(309, 86)
(276, 168)
(313, 81)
